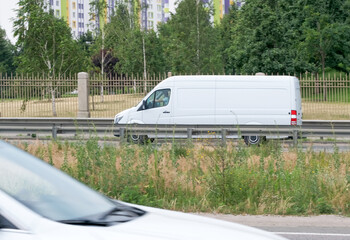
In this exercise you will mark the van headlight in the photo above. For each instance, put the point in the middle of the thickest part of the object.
(117, 119)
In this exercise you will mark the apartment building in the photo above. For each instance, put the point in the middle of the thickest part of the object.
(75, 13)
(152, 12)
(222, 7)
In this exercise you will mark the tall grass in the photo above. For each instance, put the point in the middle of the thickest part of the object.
(190, 177)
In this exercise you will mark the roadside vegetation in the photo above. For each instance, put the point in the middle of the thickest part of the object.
(209, 178)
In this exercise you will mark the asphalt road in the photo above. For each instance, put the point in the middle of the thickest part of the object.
(324, 227)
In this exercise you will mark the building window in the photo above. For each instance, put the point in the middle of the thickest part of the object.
(57, 13)
(74, 23)
(73, 14)
(73, 5)
(159, 7)
(57, 3)
(51, 2)
(150, 15)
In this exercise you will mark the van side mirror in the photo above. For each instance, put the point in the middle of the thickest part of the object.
(144, 105)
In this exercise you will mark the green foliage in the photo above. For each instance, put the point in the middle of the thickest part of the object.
(287, 36)
(326, 34)
(274, 37)
(190, 41)
(45, 41)
(263, 35)
(233, 179)
(7, 53)
(323, 206)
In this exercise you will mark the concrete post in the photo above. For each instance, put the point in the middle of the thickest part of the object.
(169, 74)
(83, 95)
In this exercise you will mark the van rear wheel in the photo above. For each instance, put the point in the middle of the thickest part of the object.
(254, 140)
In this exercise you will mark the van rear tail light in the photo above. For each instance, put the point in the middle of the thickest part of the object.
(293, 120)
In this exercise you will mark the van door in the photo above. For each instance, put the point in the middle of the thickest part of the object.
(194, 102)
(158, 107)
(298, 102)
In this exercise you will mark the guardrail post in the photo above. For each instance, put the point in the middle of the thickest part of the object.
(223, 136)
(295, 138)
(54, 131)
(121, 134)
(189, 133)
(83, 95)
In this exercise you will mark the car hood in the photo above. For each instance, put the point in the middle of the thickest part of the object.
(158, 224)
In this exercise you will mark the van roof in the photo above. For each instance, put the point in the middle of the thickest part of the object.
(239, 78)
(228, 78)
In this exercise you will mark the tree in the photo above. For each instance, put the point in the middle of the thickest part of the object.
(46, 41)
(263, 34)
(124, 37)
(46, 44)
(190, 40)
(85, 41)
(226, 38)
(7, 53)
(326, 35)
(154, 53)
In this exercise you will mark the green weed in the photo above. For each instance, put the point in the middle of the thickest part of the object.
(203, 177)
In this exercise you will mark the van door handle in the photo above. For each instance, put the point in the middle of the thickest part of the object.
(166, 112)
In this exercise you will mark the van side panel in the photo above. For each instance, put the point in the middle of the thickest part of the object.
(253, 102)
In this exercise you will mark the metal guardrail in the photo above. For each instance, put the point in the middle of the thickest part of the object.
(55, 126)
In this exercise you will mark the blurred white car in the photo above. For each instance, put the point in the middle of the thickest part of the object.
(75, 91)
(40, 202)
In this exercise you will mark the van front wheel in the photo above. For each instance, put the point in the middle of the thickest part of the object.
(253, 140)
(137, 139)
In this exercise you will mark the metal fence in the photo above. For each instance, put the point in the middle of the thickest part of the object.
(323, 97)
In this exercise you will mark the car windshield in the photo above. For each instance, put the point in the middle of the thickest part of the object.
(46, 190)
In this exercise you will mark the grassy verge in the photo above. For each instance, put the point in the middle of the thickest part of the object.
(232, 179)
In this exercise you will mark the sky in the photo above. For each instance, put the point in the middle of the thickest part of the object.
(6, 13)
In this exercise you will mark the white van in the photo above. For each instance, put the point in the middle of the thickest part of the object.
(220, 100)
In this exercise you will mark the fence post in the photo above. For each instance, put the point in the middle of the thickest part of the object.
(169, 74)
(83, 95)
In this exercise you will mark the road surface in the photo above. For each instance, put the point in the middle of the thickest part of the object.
(324, 227)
